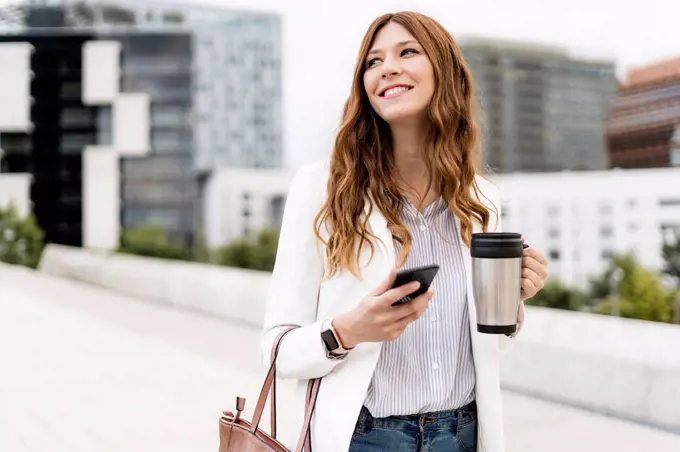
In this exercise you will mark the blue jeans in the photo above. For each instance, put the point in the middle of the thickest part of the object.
(443, 431)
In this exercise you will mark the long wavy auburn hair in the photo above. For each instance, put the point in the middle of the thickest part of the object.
(362, 164)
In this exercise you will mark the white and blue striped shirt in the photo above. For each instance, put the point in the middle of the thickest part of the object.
(430, 366)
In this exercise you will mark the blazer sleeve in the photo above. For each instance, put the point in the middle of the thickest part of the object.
(294, 286)
(491, 195)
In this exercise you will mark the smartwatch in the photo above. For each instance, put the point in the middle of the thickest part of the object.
(331, 342)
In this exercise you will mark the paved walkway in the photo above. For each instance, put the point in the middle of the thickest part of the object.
(87, 370)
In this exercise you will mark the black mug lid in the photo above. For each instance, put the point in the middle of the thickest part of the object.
(497, 245)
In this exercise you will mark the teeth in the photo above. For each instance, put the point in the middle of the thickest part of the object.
(399, 89)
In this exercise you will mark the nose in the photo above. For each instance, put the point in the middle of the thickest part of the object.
(389, 68)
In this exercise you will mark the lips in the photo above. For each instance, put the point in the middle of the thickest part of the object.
(394, 90)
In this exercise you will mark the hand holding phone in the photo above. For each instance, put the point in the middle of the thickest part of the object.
(382, 315)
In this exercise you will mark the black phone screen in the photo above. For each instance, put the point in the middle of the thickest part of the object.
(425, 275)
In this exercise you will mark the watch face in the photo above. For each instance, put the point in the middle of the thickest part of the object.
(329, 340)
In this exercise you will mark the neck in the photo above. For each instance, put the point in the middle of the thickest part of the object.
(409, 143)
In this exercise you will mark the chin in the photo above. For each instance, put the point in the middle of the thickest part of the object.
(402, 114)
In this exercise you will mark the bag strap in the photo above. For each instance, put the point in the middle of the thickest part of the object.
(269, 387)
(306, 433)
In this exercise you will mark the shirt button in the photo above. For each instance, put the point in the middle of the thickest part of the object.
(436, 366)
(434, 319)
(422, 227)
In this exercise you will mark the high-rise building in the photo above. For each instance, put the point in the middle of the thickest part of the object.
(212, 79)
(540, 108)
(643, 129)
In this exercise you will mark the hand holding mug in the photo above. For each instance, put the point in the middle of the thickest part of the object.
(534, 272)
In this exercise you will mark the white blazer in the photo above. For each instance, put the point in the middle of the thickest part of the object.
(298, 297)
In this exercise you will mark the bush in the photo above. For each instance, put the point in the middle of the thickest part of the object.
(257, 254)
(21, 239)
(558, 296)
(152, 241)
(641, 293)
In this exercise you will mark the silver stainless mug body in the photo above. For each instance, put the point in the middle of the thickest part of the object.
(497, 280)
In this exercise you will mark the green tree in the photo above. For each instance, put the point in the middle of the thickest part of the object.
(258, 253)
(671, 256)
(152, 241)
(640, 293)
(557, 295)
(21, 239)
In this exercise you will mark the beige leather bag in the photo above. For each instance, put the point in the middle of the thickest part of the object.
(239, 435)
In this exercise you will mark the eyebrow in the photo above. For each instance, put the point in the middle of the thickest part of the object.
(400, 44)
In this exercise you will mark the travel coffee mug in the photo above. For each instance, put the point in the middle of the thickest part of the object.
(497, 280)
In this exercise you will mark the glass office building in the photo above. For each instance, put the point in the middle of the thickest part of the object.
(540, 108)
(214, 81)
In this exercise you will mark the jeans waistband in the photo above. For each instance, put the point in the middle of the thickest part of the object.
(432, 420)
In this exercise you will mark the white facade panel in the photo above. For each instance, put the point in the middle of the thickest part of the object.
(241, 201)
(101, 198)
(15, 87)
(131, 124)
(15, 189)
(101, 72)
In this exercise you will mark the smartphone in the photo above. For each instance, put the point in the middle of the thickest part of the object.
(425, 275)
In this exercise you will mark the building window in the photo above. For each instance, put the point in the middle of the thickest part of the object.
(75, 117)
(553, 211)
(606, 254)
(554, 233)
(554, 255)
(75, 142)
(669, 202)
(276, 207)
(605, 209)
(606, 231)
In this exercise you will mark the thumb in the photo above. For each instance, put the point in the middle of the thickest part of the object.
(385, 285)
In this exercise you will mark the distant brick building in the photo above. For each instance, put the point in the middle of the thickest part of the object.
(643, 129)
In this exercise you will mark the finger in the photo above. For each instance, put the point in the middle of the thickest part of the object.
(520, 317)
(520, 313)
(534, 277)
(385, 284)
(535, 266)
(406, 320)
(528, 288)
(537, 255)
(416, 307)
(398, 293)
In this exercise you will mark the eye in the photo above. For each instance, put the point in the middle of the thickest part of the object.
(409, 52)
(372, 62)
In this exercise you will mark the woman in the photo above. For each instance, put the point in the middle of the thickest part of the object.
(400, 190)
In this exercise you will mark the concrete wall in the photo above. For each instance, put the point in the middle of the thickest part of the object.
(623, 367)
(628, 368)
(228, 292)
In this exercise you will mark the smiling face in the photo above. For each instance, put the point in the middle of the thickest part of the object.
(399, 78)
